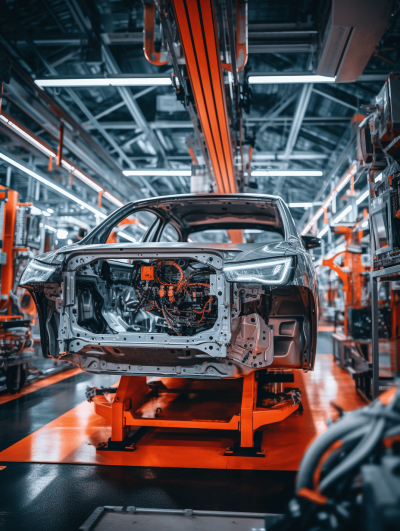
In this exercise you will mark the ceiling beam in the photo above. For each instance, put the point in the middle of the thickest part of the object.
(335, 99)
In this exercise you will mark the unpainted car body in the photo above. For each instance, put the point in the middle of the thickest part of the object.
(182, 308)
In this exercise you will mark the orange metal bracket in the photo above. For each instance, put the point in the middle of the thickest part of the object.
(241, 37)
(155, 58)
(133, 393)
(60, 144)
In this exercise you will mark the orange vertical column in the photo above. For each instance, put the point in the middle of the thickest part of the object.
(249, 395)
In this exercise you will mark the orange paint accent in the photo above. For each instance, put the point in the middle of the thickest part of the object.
(155, 58)
(312, 496)
(40, 384)
(50, 166)
(388, 442)
(147, 273)
(74, 436)
(241, 37)
(60, 144)
(317, 473)
(387, 396)
(192, 154)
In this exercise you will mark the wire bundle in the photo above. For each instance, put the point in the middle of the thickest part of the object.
(329, 487)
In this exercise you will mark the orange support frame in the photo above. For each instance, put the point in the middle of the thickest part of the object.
(133, 395)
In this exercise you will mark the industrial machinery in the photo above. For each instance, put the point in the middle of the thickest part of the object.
(349, 476)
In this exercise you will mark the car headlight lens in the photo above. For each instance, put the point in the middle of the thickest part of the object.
(36, 273)
(274, 271)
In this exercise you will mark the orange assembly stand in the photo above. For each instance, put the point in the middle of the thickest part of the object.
(183, 403)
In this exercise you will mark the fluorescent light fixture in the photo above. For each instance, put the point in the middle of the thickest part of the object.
(379, 178)
(50, 211)
(343, 183)
(157, 173)
(49, 153)
(362, 197)
(121, 81)
(27, 137)
(342, 214)
(52, 185)
(62, 234)
(82, 177)
(300, 205)
(113, 199)
(323, 231)
(329, 199)
(273, 79)
(286, 173)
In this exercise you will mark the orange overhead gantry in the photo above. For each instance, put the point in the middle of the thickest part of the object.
(198, 33)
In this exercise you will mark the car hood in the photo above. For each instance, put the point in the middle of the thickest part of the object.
(232, 252)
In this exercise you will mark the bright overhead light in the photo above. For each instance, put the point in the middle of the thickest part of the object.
(329, 199)
(122, 81)
(362, 197)
(27, 136)
(286, 173)
(323, 231)
(45, 213)
(52, 185)
(311, 78)
(300, 205)
(48, 152)
(342, 214)
(50, 211)
(50, 228)
(343, 183)
(157, 173)
(70, 242)
(113, 199)
(62, 234)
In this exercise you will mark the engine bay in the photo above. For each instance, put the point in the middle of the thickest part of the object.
(161, 296)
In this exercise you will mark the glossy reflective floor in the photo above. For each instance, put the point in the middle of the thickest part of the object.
(53, 477)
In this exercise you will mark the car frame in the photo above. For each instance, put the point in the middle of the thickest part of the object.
(52, 281)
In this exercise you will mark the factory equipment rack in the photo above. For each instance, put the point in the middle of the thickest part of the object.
(232, 405)
(387, 273)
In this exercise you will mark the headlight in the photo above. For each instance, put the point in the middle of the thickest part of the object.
(260, 271)
(36, 273)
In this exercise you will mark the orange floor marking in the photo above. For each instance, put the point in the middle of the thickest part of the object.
(73, 437)
(30, 388)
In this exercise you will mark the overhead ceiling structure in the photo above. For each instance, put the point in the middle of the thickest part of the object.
(273, 83)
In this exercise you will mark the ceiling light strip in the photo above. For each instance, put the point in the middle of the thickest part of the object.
(46, 150)
(330, 197)
(274, 79)
(94, 81)
(286, 173)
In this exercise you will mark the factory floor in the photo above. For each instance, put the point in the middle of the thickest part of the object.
(52, 478)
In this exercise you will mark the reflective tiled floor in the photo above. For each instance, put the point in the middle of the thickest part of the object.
(54, 478)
